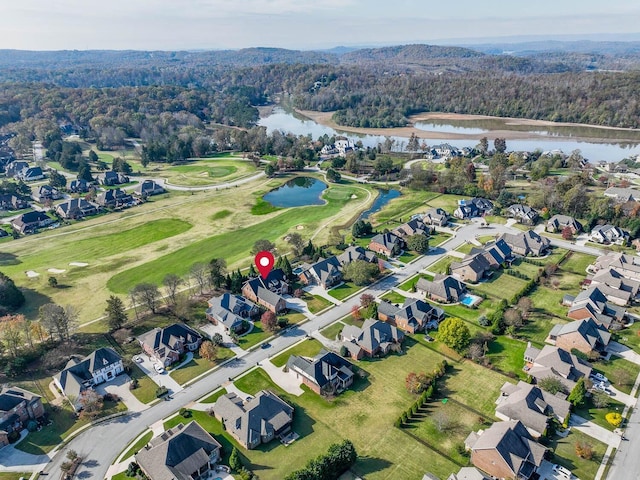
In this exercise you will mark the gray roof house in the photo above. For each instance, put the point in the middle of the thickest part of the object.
(436, 216)
(476, 207)
(593, 303)
(413, 316)
(388, 244)
(505, 450)
(354, 253)
(325, 373)
(258, 420)
(181, 453)
(443, 288)
(616, 287)
(375, 338)
(76, 208)
(609, 234)
(146, 188)
(111, 177)
(555, 362)
(325, 272)
(622, 195)
(557, 223)
(31, 221)
(523, 213)
(527, 243)
(268, 291)
(415, 226)
(532, 406)
(583, 335)
(114, 197)
(78, 375)
(230, 311)
(627, 265)
(79, 186)
(466, 473)
(30, 174)
(168, 343)
(44, 193)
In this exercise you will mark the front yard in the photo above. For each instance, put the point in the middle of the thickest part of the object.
(316, 303)
(307, 348)
(565, 454)
(198, 365)
(344, 290)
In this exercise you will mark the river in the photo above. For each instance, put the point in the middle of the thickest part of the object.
(553, 138)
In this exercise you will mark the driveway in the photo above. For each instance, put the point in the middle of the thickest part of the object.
(120, 386)
(211, 329)
(285, 380)
(623, 351)
(546, 472)
(321, 292)
(595, 431)
(298, 305)
(160, 379)
(14, 460)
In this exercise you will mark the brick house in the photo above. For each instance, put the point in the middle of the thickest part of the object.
(585, 336)
(388, 244)
(326, 373)
(17, 407)
(166, 344)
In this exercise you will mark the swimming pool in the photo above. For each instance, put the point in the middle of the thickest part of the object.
(470, 300)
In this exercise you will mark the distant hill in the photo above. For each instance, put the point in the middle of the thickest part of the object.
(409, 54)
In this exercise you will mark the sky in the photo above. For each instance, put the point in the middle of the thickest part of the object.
(298, 24)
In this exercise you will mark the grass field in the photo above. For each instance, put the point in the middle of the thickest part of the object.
(331, 332)
(306, 348)
(394, 297)
(565, 454)
(344, 290)
(198, 366)
(507, 354)
(133, 449)
(13, 475)
(442, 265)
(499, 286)
(316, 303)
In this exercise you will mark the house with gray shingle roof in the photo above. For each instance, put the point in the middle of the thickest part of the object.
(388, 244)
(472, 268)
(375, 338)
(557, 363)
(231, 311)
(436, 216)
(325, 272)
(258, 420)
(166, 344)
(465, 473)
(609, 234)
(443, 288)
(80, 374)
(268, 291)
(326, 373)
(585, 336)
(616, 287)
(476, 207)
(627, 265)
(181, 453)
(353, 253)
(147, 188)
(527, 243)
(622, 195)
(413, 316)
(415, 226)
(30, 222)
(532, 406)
(17, 407)
(557, 223)
(523, 213)
(76, 208)
(505, 450)
(593, 303)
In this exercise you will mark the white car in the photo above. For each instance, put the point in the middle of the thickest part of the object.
(138, 359)
(560, 470)
(158, 368)
(599, 377)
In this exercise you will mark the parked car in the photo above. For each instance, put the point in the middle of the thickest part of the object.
(560, 470)
(158, 368)
(602, 387)
(265, 345)
(599, 377)
(138, 359)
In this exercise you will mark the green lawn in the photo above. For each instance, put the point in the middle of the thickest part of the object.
(133, 449)
(577, 263)
(538, 326)
(406, 257)
(565, 454)
(499, 286)
(256, 336)
(597, 415)
(331, 332)
(122, 476)
(446, 201)
(483, 239)
(621, 373)
(442, 265)
(345, 290)
(465, 248)
(316, 303)
(394, 297)
(307, 348)
(402, 207)
(507, 354)
(409, 284)
(13, 475)
(548, 300)
(199, 365)
(437, 238)
(214, 396)
(236, 245)
(146, 391)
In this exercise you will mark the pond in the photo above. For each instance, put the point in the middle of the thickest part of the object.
(297, 192)
(381, 200)
(603, 143)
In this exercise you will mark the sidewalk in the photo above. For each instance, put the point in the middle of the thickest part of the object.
(594, 431)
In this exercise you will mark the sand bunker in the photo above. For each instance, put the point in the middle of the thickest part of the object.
(32, 274)
(354, 196)
(300, 227)
(55, 270)
(78, 264)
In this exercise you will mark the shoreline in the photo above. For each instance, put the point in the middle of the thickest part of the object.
(324, 118)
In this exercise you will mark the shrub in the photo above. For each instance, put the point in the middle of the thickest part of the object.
(160, 391)
(614, 419)
(185, 413)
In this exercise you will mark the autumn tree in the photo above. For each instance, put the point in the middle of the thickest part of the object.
(262, 245)
(454, 333)
(208, 350)
(584, 449)
(525, 305)
(567, 233)
(366, 299)
(91, 402)
(115, 313)
(269, 321)
(11, 332)
(356, 313)
(58, 320)
(513, 317)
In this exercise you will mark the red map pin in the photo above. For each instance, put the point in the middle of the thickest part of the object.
(264, 261)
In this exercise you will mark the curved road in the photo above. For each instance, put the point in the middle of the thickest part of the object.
(100, 445)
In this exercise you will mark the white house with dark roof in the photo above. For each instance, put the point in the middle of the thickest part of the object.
(609, 234)
(166, 344)
(523, 213)
(616, 287)
(326, 373)
(80, 374)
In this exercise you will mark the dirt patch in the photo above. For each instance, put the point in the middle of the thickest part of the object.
(300, 227)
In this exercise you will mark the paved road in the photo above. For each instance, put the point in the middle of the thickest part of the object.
(101, 444)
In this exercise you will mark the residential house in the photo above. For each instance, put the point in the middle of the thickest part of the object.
(78, 186)
(12, 202)
(443, 288)
(388, 244)
(558, 223)
(415, 226)
(257, 420)
(523, 213)
(585, 336)
(45, 193)
(114, 198)
(165, 345)
(268, 291)
(622, 195)
(147, 188)
(80, 374)
(30, 174)
(436, 216)
(182, 452)
(326, 373)
(476, 207)
(325, 272)
(527, 243)
(414, 315)
(616, 287)
(555, 362)
(110, 178)
(465, 473)
(531, 405)
(15, 168)
(31, 221)
(592, 303)
(17, 407)
(353, 253)
(76, 208)
(481, 261)
(506, 450)
(627, 265)
(374, 339)
(609, 234)
(231, 311)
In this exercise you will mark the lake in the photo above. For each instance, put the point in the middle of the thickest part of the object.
(297, 192)
(553, 138)
(382, 199)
